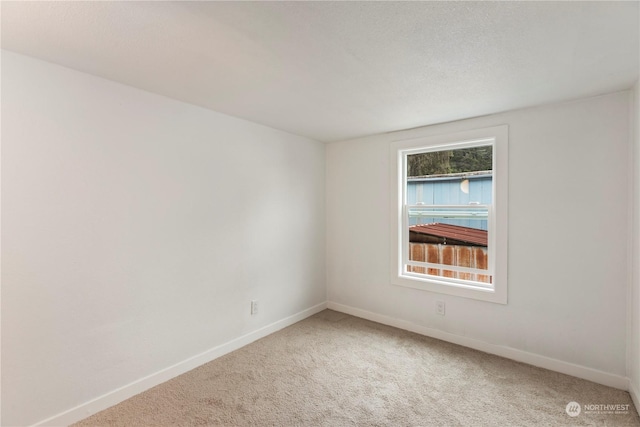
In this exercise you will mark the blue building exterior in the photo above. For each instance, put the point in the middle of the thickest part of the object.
(453, 189)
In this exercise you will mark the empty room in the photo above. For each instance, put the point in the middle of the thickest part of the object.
(320, 213)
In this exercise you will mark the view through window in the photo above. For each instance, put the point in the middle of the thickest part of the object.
(448, 213)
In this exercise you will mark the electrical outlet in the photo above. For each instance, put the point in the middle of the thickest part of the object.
(254, 306)
(440, 308)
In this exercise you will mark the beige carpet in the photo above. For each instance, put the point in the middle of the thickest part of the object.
(337, 370)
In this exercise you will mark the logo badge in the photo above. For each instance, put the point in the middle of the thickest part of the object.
(573, 409)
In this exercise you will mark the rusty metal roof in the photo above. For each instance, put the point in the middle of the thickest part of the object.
(452, 234)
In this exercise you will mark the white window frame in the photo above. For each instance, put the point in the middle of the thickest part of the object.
(496, 292)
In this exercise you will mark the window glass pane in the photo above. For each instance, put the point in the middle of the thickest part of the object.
(448, 196)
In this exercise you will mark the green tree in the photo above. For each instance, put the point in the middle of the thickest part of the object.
(433, 163)
(472, 159)
(450, 161)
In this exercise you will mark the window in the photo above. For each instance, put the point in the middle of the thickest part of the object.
(449, 213)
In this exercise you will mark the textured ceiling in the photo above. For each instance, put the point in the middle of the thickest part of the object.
(337, 70)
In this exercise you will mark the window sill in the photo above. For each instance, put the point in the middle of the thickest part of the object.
(451, 288)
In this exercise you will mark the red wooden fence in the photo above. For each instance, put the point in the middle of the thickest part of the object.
(458, 255)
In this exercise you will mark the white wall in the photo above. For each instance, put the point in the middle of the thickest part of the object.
(568, 235)
(136, 230)
(634, 333)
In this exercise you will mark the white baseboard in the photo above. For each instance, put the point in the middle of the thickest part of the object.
(116, 396)
(583, 372)
(635, 395)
